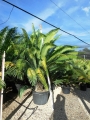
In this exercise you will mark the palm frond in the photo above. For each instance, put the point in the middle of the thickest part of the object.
(41, 78)
(50, 36)
(2, 83)
(31, 74)
(22, 90)
(45, 49)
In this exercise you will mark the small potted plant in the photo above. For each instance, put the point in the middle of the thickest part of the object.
(65, 85)
(82, 73)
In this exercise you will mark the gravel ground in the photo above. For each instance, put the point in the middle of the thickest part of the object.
(73, 106)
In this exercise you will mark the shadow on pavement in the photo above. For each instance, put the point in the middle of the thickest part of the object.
(20, 105)
(84, 96)
(59, 108)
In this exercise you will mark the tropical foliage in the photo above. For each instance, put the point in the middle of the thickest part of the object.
(2, 83)
(83, 71)
(31, 57)
(35, 58)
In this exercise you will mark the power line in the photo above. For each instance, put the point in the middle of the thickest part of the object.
(8, 17)
(69, 16)
(45, 21)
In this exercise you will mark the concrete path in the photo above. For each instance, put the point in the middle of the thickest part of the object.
(73, 106)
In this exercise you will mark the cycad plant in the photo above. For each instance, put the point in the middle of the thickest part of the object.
(60, 64)
(38, 59)
(31, 59)
(83, 71)
(8, 36)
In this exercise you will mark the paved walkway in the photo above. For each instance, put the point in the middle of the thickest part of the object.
(73, 106)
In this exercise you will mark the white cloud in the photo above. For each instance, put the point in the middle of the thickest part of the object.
(47, 29)
(43, 15)
(86, 10)
(77, 34)
(72, 10)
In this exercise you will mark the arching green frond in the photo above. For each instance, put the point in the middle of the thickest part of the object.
(50, 35)
(22, 89)
(40, 40)
(41, 78)
(25, 35)
(2, 83)
(59, 53)
(15, 72)
(55, 38)
(63, 49)
(21, 64)
(25, 39)
(31, 74)
(44, 65)
(45, 49)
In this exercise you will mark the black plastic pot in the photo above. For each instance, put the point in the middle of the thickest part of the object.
(66, 89)
(88, 85)
(83, 86)
(40, 98)
(52, 86)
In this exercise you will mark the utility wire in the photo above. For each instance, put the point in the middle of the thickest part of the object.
(8, 17)
(69, 16)
(45, 21)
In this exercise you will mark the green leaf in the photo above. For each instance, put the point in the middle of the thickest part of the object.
(50, 35)
(57, 82)
(41, 78)
(2, 83)
(31, 74)
(22, 90)
(44, 50)
(20, 64)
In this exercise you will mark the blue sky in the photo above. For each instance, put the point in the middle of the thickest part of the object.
(79, 10)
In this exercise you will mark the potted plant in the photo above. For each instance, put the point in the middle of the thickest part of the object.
(83, 73)
(60, 65)
(31, 62)
(66, 79)
(37, 59)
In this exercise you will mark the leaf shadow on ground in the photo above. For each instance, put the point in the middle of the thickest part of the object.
(19, 106)
(8, 97)
(83, 96)
(59, 108)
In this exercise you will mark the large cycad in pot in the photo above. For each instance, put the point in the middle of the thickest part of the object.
(32, 62)
(41, 44)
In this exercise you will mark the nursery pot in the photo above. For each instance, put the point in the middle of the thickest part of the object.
(83, 86)
(66, 89)
(88, 85)
(40, 98)
(18, 86)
